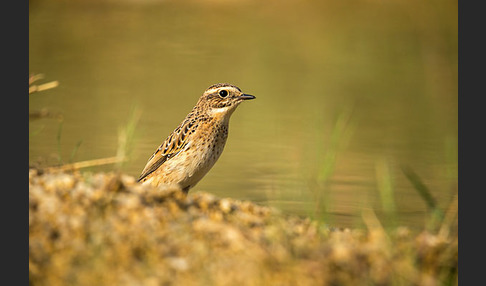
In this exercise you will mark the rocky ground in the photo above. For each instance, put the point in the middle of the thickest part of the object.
(106, 229)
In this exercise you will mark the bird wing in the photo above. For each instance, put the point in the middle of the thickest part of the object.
(173, 145)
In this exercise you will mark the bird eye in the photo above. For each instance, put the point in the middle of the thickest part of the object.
(223, 93)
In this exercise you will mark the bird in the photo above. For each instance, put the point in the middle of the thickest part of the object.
(192, 149)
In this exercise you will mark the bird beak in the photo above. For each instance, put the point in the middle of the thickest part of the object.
(246, 96)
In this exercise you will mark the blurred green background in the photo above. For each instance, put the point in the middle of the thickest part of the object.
(348, 92)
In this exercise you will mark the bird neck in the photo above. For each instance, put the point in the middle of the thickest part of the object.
(222, 114)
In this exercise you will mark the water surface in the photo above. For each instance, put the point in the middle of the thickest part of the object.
(347, 93)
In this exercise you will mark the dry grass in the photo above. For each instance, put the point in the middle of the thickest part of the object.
(105, 229)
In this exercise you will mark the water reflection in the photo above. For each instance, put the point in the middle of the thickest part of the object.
(393, 69)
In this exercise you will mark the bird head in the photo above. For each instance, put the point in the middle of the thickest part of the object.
(222, 98)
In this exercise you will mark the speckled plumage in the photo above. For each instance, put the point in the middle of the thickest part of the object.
(195, 145)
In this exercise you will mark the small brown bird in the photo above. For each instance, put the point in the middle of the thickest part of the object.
(195, 145)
